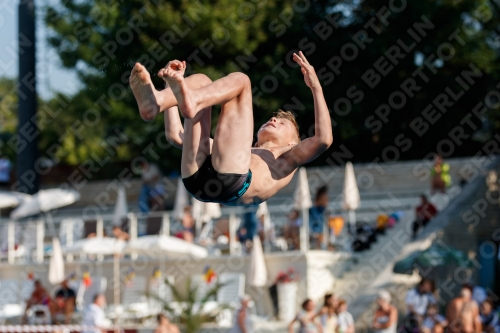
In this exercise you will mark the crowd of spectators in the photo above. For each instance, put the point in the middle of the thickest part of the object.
(471, 311)
(60, 306)
(332, 317)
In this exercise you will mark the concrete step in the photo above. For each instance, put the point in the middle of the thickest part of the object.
(367, 264)
(376, 179)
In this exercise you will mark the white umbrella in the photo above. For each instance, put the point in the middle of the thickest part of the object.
(196, 208)
(302, 202)
(258, 270)
(96, 246)
(9, 230)
(302, 195)
(101, 246)
(12, 199)
(181, 200)
(263, 210)
(56, 265)
(211, 211)
(204, 212)
(45, 201)
(121, 209)
(350, 195)
(164, 245)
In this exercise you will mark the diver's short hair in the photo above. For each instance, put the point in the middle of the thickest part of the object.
(280, 114)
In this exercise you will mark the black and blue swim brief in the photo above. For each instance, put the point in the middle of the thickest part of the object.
(209, 185)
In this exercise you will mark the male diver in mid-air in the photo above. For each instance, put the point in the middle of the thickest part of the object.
(227, 169)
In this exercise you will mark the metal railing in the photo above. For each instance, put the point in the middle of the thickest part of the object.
(137, 224)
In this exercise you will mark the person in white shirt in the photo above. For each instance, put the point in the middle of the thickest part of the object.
(417, 300)
(489, 317)
(479, 294)
(345, 321)
(242, 319)
(94, 319)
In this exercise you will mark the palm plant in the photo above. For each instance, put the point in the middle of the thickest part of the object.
(188, 305)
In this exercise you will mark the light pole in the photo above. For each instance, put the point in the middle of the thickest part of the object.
(27, 130)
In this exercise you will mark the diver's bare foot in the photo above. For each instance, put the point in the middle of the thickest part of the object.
(144, 92)
(173, 74)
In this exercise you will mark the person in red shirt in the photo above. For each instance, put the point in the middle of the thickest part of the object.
(424, 213)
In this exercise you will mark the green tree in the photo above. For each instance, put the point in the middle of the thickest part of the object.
(8, 115)
(58, 123)
(102, 39)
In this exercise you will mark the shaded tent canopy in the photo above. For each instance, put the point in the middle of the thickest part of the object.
(434, 256)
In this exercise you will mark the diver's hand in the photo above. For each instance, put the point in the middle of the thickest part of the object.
(310, 77)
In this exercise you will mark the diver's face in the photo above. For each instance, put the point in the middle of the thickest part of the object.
(277, 129)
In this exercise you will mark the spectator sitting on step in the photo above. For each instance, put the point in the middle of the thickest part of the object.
(328, 314)
(187, 221)
(424, 213)
(417, 300)
(385, 319)
(433, 322)
(440, 177)
(489, 318)
(39, 296)
(248, 227)
(165, 326)
(119, 234)
(94, 234)
(462, 313)
(152, 186)
(63, 303)
(345, 321)
(242, 320)
(305, 317)
(317, 217)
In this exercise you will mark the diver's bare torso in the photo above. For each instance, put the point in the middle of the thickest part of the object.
(270, 173)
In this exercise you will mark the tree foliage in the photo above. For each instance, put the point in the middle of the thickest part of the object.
(102, 39)
(8, 115)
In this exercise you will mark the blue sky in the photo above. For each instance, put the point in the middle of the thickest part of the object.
(50, 74)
